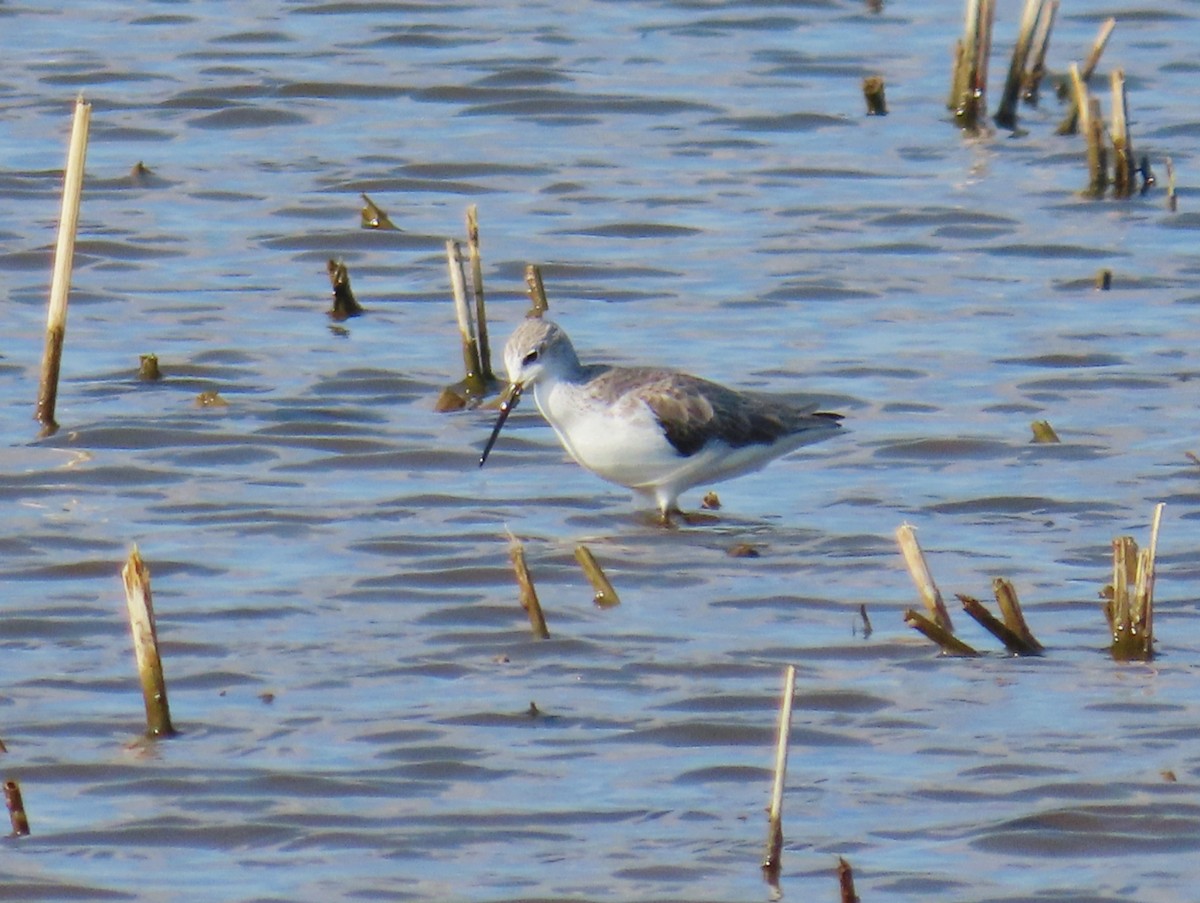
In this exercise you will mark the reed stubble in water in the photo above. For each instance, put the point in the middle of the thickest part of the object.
(873, 92)
(345, 305)
(64, 255)
(968, 91)
(604, 596)
(914, 559)
(1031, 18)
(1072, 120)
(1012, 631)
(537, 291)
(374, 216)
(16, 809)
(145, 645)
(1124, 171)
(527, 593)
(1129, 608)
(772, 857)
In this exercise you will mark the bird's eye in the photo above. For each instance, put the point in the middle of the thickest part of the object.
(529, 358)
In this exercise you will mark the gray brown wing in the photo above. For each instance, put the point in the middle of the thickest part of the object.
(692, 410)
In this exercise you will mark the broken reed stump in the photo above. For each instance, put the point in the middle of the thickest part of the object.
(1172, 203)
(16, 809)
(1129, 608)
(148, 368)
(873, 92)
(947, 641)
(1012, 631)
(64, 256)
(373, 216)
(145, 645)
(1097, 153)
(527, 594)
(1072, 120)
(969, 84)
(846, 882)
(345, 305)
(472, 387)
(772, 858)
(1124, 171)
(1034, 74)
(1043, 432)
(485, 348)
(1031, 18)
(537, 291)
(1104, 280)
(604, 596)
(914, 558)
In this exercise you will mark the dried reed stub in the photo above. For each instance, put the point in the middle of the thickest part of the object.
(1129, 606)
(1035, 12)
(1043, 432)
(478, 379)
(1104, 280)
(148, 369)
(16, 809)
(1124, 171)
(604, 596)
(528, 594)
(145, 645)
(481, 327)
(1078, 110)
(946, 641)
(846, 882)
(537, 291)
(1172, 202)
(1012, 631)
(969, 85)
(1097, 153)
(64, 257)
(772, 857)
(373, 216)
(874, 94)
(914, 559)
(345, 305)
(1034, 73)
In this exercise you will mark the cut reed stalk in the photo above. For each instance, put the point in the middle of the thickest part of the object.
(846, 882)
(145, 645)
(1172, 203)
(1097, 154)
(462, 311)
(1041, 44)
(373, 216)
(345, 305)
(16, 809)
(64, 256)
(485, 350)
(537, 290)
(1130, 607)
(1006, 113)
(772, 858)
(527, 594)
(873, 92)
(604, 594)
(1124, 171)
(948, 642)
(993, 625)
(1043, 432)
(914, 559)
(971, 80)
(1074, 118)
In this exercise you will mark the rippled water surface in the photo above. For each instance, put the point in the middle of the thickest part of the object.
(348, 664)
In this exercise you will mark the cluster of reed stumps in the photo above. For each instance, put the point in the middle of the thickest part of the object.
(1118, 170)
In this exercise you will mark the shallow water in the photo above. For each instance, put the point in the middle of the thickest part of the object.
(346, 659)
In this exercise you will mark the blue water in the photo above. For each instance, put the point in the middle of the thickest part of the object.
(346, 658)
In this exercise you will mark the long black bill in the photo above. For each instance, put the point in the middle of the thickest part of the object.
(508, 401)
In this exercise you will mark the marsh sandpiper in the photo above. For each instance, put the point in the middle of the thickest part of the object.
(655, 431)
